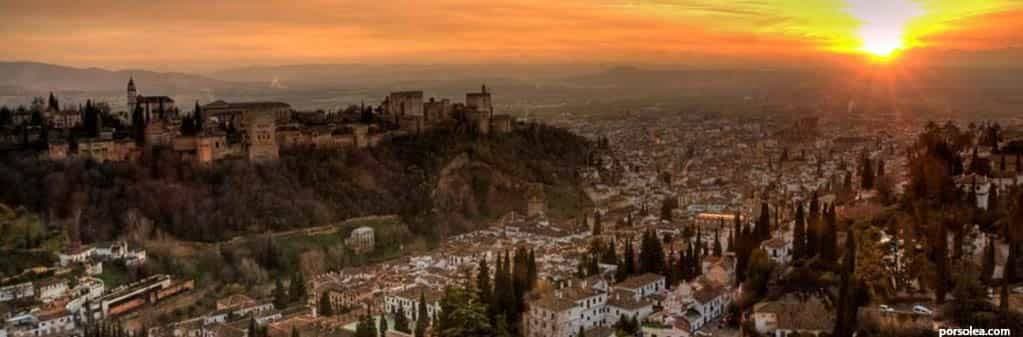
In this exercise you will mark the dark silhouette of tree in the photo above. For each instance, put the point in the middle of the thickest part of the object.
(799, 234)
(846, 309)
(325, 307)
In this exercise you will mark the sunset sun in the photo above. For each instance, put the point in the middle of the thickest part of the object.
(883, 25)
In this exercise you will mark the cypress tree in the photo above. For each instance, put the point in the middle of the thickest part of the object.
(763, 229)
(325, 307)
(531, 271)
(483, 286)
(988, 263)
(422, 317)
(846, 306)
(828, 235)
(138, 125)
(799, 234)
(717, 242)
(813, 220)
(280, 296)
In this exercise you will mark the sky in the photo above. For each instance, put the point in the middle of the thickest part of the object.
(198, 36)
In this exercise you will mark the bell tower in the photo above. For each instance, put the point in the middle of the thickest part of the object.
(132, 94)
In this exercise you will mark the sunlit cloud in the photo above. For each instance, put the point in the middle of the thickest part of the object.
(193, 34)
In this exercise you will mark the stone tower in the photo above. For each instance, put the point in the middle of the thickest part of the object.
(132, 94)
(262, 138)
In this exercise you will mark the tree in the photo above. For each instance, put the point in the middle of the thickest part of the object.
(325, 307)
(717, 242)
(401, 321)
(483, 288)
(812, 230)
(581, 333)
(138, 125)
(422, 317)
(866, 173)
(280, 296)
(846, 310)
(294, 332)
(651, 258)
(197, 118)
(758, 271)
(828, 244)
(667, 206)
(799, 234)
(462, 315)
(988, 262)
(383, 326)
(297, 290)
(763, 229)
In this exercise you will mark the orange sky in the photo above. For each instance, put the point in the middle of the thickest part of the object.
(209, 35)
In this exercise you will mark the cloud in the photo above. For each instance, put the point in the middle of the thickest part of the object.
(207, 35)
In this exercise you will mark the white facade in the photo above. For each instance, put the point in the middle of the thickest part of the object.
(17, 291)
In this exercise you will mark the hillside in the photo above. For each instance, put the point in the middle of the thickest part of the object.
(439, 183)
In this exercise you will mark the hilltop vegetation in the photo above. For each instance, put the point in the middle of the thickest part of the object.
(441, 182)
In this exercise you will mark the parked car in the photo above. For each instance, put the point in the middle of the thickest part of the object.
(922, 310)
(886, 308)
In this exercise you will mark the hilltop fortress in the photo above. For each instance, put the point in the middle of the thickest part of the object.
(259, 131)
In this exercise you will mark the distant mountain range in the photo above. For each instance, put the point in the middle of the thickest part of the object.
(42, 77)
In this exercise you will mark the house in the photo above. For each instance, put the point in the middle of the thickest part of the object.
(16, 291)
(51, 288)
(792, 314)
(407, 302)
(778, 250)
(641, 286)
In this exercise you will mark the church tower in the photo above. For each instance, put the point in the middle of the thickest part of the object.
(132, 94)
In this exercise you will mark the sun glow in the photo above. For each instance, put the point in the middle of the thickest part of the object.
(883, 25)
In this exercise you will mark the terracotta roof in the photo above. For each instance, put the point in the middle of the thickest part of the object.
(638, 281)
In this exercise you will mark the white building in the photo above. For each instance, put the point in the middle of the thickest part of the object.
(17, 291)
(361, 240)
(407, 302)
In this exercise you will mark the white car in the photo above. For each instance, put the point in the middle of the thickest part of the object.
(1018, 290)
(922, 310)
(886, 308)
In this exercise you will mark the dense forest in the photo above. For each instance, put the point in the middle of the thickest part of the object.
(438, 182)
